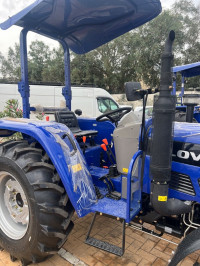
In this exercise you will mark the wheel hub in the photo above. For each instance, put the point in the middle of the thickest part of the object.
(14, 209)
(15, 201)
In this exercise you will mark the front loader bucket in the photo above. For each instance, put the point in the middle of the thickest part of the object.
(188, 245)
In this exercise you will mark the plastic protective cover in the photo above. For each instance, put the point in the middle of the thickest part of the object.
(81, 180)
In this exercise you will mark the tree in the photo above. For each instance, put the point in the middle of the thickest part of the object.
(189, 17)
(151, 39)
(86, 69)
(10, 66)
(39, 58)
(114, 58)
(54, 69)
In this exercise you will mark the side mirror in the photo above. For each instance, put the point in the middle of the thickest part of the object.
(133, 91)
(78, 112)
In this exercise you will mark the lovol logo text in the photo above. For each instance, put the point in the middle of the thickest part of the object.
(188, 155)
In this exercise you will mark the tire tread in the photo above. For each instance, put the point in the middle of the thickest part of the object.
(31, 161)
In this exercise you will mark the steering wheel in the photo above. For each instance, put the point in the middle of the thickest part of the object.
(115, 115)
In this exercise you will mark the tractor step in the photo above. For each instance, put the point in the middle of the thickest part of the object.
(119, 251)
(104, 246)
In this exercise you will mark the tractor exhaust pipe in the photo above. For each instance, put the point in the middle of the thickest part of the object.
(161, 148)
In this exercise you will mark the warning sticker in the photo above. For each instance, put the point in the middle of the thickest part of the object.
(162, 198)
(76, 168)
(125, 170)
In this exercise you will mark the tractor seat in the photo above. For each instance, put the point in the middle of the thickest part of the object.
(69, 119)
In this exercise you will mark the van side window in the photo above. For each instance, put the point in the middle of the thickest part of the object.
(106, 104)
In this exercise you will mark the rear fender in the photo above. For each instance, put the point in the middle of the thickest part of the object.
(188, 245)
(65, 155)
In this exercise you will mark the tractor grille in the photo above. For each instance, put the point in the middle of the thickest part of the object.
(182, 183)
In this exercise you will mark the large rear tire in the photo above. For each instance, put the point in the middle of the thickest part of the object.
(35, 212)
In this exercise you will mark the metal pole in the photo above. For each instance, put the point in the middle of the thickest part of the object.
(66, 91)
(182, 87)
(23, 86)
(174, 85)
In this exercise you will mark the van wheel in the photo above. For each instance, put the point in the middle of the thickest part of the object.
(35, 212)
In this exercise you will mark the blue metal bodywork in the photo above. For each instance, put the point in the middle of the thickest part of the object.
(187, 132)
(189, 70)
(23, 86)
(104, 128)
(78, 184)
(133, 192)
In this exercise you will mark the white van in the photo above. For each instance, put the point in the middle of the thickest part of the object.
(90, 100)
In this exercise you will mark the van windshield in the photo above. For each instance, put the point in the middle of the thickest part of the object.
(106, 104)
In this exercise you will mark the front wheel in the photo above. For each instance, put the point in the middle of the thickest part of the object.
(35, 212)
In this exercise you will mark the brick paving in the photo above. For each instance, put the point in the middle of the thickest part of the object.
(141, 249)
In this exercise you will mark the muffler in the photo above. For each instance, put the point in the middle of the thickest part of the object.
(162, 140)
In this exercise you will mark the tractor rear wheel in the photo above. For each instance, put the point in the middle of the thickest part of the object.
(35, 212)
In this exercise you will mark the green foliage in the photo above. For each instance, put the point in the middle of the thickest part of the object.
(11, 109)
(39, 59)
(54, 70)
(189, 17)
(40, 116)
(151, 38)
(86, 69)
(10, 66)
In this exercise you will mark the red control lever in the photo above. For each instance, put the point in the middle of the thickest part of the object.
(103, 146)
(84, 140)
(105, 141)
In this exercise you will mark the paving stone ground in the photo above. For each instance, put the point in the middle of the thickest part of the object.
(141, 249)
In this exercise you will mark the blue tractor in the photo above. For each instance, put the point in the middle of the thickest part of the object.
(188, 109)
(141, 172)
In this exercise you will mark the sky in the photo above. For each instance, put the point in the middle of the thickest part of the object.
(10, 36)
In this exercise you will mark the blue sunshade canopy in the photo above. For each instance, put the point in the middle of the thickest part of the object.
(84, 24)
(189, 70)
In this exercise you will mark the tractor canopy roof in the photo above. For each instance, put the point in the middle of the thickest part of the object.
(84, 24)
(189, 70)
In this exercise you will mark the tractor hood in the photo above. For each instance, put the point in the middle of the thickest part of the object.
(84, 25)
(187, 132)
